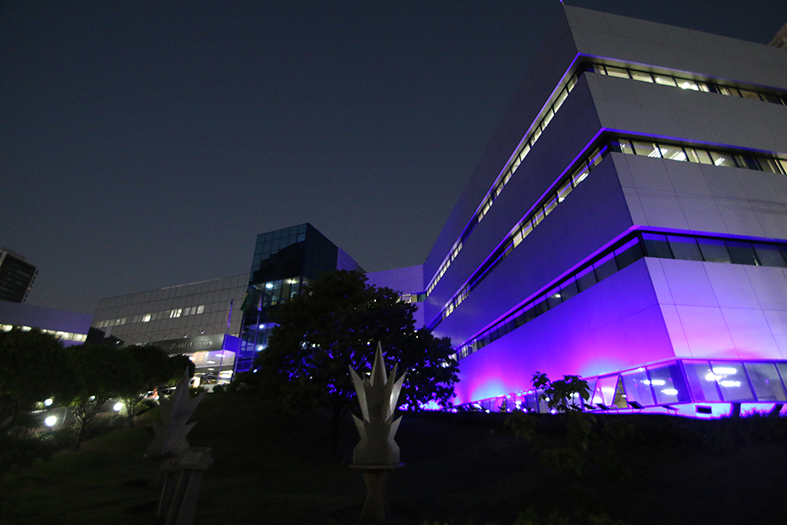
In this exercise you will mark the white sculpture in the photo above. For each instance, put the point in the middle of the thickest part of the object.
(378, 398)
(171, 432)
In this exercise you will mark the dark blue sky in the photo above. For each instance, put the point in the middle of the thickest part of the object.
(146, 143)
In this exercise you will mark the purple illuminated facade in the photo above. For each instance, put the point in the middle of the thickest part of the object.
(627, 223)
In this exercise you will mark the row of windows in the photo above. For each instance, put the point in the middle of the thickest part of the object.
(521, 231)
(692, 380)
(154, 316)
(697, 155)
(66, 336)
(686, 83)
(272, 293)
(643, 244)
(674, 382)
(413, 298)
(676, 81)
(497, 188)
(676, 152)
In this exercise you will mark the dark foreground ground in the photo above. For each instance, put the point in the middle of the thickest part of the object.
(459, 469)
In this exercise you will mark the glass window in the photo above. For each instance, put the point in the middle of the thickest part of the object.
(684, 248)
(698, 155)
(667, 384)
(605, 390)
(769, 165)
(580, 175)
(628, 253)
(526, 229)
(529, 313)
(563, 191)
(732, 380)
(647, 149)
(703, 87)
(605, 267)
(673, 152)
(517, 238)
(688, 84)
(547, 118)
(771, 98)
(642, 76)
(540, 306)
(722, 159)
(714, 250)
(656, 245)
(536, 134)
(637, 386)
(769, 255)
(766, 382)
(664, 80)
(622, 146)
(569, 289)
(538, 216)
(701, 380)
(519, 320)
(571, 83)
(554, 298)
(619, 400)
(550, 205)
(749, 94)
(560, 99)
(617, 72)
(596, 157)
(741, 252)
(525, 151)
(585, 279)
(723, 90)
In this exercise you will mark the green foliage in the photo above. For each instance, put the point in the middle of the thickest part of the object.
(177, 365)
(562, 395)
(34, 368)
(336, 324)
(586, 453)
(99, 374)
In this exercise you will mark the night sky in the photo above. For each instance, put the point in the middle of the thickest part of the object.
(146, 143)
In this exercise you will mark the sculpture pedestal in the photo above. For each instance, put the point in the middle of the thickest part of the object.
(375, 477)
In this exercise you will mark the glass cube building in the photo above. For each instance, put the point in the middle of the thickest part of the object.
(284, 261)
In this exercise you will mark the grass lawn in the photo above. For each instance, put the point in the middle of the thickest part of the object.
(281, 471)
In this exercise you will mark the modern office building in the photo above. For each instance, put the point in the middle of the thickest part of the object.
(628, 223)
(16, 276)
(199, 319)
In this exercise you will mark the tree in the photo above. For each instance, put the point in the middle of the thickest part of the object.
(99, 374)
(34, 368)
(179, 364)
(335, 324)
(157, 369)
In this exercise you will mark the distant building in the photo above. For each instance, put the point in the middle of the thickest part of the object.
(70, 328)
(16, 279)
(780, 40)
(200, 319)
(221, 323)
(16, 276)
